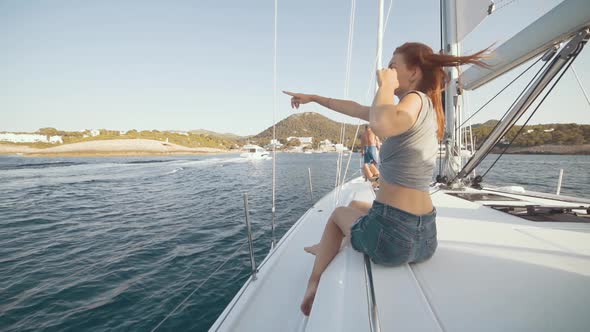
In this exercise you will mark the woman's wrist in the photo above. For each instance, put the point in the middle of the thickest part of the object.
(384, 96)
(388, 88)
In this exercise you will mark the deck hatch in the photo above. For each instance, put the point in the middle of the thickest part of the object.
(547, 213)
(472, 197)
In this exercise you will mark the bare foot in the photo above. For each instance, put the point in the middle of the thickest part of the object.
(312, 249)
(312, 287)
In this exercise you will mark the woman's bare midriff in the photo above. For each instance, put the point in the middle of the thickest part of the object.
(407, 199)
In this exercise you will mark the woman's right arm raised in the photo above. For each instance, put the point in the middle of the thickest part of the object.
(347, 107)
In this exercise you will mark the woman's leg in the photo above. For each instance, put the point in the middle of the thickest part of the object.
(367, 171)
(337, 227)
(362, 206)
(374, 170)
(375, 179)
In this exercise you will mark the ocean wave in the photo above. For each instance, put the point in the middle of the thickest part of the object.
(149, 161)
(41, 165)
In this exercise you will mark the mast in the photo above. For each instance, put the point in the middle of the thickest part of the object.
(380, 35)
(452, 137)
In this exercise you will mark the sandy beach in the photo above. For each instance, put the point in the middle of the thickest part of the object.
(118, 147)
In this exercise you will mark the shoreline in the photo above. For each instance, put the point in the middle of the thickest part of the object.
(113, 154)
(109, 148)
(145, 147)
(549, 149)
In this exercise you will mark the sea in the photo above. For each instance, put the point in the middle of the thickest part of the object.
(144, 243)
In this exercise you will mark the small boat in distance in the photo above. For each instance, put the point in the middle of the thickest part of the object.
(251, 151)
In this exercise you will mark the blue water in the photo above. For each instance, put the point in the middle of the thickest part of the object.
(100, 244)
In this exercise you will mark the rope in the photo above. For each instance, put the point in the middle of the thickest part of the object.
(516, 100)
(339, 178)
(499, 92)
(580, 84)
(471, 145)
(530, 116)
(507, 111)
(351, 150)
(199, 287)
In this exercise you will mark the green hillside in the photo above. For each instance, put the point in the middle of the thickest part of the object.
(542, 134)
(308, 124)
(320, 128)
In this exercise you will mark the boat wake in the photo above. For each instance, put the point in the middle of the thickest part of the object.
(175, 170)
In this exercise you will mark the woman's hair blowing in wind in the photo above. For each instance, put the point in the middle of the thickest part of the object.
(434, 77)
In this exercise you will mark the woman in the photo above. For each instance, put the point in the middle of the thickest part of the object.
(400, 226)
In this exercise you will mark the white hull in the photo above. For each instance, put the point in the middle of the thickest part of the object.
(492, 272)
(251, 151)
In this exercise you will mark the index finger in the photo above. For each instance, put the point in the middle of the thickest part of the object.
(292, 94)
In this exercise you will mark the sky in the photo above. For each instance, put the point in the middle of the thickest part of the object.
(183, 65)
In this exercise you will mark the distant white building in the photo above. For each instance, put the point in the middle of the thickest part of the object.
(56, 139)
(94, 132)
(549, 130)
(340, 147)
(530, 131)
(29, 138)
(326, 142)
(326, 145)
(122, 132)
(302, 140)
(275, 143)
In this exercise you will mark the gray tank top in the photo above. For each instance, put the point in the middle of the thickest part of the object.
(408, 159)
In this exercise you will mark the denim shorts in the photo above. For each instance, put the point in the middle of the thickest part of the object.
(391, 236)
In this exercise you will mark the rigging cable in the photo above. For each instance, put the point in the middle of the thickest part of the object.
(274, 138)
(581, 86)
(339, 178)
(571, 60)
(509, 108)
(499, 92)
(442, 47)
(531, 81)
(371, 80)
(198, 287)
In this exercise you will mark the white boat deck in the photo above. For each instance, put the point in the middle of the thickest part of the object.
(491, 272)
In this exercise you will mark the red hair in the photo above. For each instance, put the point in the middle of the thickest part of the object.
(434, 77)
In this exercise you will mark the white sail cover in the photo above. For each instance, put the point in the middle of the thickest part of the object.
(470, 13)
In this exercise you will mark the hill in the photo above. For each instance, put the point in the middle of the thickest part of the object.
(204, 132)
(308, 124)
(489, 123)
(536, 135)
